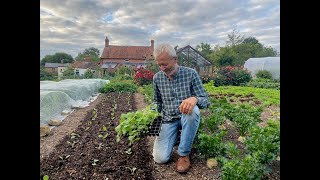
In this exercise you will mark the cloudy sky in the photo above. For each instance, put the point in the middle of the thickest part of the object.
(71, 26)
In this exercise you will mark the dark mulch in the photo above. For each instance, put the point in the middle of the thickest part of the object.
(275, 174)
(89, 156)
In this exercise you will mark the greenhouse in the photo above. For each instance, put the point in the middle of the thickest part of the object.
(271, 64)
(190, 57)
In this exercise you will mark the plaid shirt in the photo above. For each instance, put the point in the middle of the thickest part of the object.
(168, 95)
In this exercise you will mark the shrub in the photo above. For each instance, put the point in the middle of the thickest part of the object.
(264, 74)
(119, 87)
(143, 76)
(121, 77)
(44, 75)
(124, 70)
(264, 83)
(88, 74)
(69, 72)
(108, 75)
(206, 78)
(152, 66)
(231, 75)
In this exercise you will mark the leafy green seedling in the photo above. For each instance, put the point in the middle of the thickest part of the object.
(95, 162)
(45, 177)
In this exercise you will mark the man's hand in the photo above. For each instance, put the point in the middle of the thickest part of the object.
(187, 105)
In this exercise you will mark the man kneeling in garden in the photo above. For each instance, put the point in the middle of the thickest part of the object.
(178, 94)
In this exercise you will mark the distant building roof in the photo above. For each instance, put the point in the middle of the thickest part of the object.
(55, 65)
(114, 64)
(127, 52)
(85, 64)
(109, 65)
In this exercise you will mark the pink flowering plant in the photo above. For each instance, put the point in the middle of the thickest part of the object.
(232, 75)
(143, 76)
(207, 77)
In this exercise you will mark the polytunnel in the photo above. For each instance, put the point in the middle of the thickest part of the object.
(56, 97)
(271, 64)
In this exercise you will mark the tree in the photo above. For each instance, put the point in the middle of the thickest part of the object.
(216, 48)
(239, 53)
(204, 49)
(244, 51)
(250, 40)
(235, 38)
(69, 72)
(268, 52)
(224, 57)
(238, 50)
(58, 57)
(95, 58)
(91, 52)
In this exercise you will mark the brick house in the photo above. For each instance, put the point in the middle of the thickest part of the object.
(114, 56)
(80, 67)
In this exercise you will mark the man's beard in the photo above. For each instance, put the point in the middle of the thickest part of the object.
(170, 71)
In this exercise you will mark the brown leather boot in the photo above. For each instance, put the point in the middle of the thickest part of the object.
(183, 164)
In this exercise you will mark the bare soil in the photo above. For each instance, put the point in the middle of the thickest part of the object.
(69, 124)
(85, 155)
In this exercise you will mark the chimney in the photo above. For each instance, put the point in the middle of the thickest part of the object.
(152, 44)
(152, 48)
(106, 42)
(61, 61)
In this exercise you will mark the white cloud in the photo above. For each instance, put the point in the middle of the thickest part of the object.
(71, 26)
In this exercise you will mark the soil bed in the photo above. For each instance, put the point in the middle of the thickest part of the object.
(83, 154)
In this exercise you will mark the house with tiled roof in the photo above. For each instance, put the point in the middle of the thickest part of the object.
(58, 68)
(80, 67)
(114, 56)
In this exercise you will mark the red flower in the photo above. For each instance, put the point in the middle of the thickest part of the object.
(143, 76)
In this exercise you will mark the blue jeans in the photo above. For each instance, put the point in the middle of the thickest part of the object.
(164, 143)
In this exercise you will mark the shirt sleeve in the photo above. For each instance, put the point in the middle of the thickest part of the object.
(199, 92)
(157, 96)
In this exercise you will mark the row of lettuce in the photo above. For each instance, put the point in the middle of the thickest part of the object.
(262, 143)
